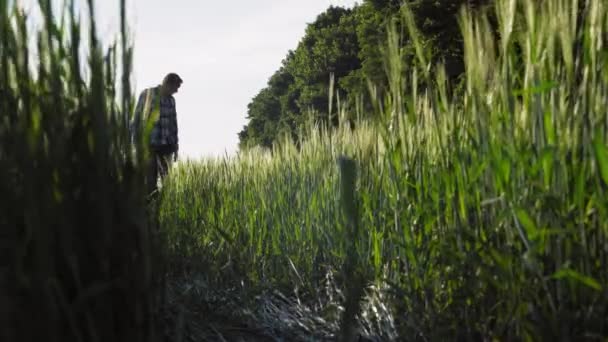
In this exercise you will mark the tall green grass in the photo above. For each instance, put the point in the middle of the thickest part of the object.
(78, 260)
(484, 210)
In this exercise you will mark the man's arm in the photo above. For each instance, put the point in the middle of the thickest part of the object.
(175, 154)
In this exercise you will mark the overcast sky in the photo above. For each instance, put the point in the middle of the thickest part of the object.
(225, 51)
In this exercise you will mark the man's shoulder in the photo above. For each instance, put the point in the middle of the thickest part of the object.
(147, 90)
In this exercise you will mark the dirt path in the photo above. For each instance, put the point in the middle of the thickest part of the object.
(199, 312)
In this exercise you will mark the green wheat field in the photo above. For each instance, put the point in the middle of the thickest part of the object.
(470, 211)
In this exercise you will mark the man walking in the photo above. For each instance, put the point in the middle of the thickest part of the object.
(154, 125)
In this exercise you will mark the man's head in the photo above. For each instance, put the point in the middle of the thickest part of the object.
(171, 84)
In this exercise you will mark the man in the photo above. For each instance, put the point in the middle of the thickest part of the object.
(155, 124)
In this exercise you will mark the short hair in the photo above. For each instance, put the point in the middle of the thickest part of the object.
(173, 78)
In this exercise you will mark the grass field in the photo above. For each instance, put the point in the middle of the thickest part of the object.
(479, 212)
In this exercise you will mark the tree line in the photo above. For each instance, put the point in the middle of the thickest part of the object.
(344, 49)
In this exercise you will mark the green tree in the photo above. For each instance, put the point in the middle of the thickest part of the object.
(329, 46)
(301, 84)
(272, 110)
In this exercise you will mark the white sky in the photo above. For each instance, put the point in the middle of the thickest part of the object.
(225, 51)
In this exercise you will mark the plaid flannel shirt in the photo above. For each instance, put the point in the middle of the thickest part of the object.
(160, 113)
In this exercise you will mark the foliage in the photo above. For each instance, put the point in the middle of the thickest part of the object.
(301, 84)
(78, 260)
